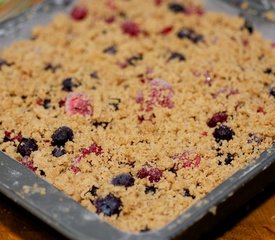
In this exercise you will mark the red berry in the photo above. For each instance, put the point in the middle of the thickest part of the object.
(166, 30)
(79, 13)
(154, 174)
(130, 28)
(78, 103)
(28, 162)
(219, 117)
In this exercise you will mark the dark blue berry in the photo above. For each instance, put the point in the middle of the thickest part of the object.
(150, 189)
(27, 146)
(223, 133)
(61, 136)
(68, 85)
(124, 179)
(108, 205)
(187, 33)
(110, 50)
(58, 152)
(272, 91)
(176, 7)
(176, 56)
(186, 193)
(229, 159)
(248, 26)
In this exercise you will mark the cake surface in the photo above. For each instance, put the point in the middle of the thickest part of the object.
(138, 109)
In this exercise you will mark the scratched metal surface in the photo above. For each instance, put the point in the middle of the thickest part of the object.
(69, 217)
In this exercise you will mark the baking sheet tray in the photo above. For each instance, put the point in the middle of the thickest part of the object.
(74, 221)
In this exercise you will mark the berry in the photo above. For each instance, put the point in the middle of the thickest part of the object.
(223, 133)
(28, 162)
(110, 50)
(190, 34)
(108, 205)
(176, 8)
(218, 117)
(248, 26)
(272, 91)
(124, 179)
(229, 159)
(186, 193)
(79, 13)
(68, 85)
(78, 103)
(130, 28)
(58, 152)
(27, 146)
(150, 189)
(176, 56)
(154, 174)
(61, 136)
(166, 30)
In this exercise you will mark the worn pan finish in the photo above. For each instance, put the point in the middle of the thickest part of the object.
(74, 221)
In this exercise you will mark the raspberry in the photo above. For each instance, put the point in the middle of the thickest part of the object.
(166, 30)
(108, 205)
(79, 13)
(218, 117)
(78, 103)
(153, 174)
(28, 162)
(130, 28)
(186, 160)
(124, 179)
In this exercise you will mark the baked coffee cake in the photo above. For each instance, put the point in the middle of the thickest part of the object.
(137, 109)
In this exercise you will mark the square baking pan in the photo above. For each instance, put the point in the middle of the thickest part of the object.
(74, 221)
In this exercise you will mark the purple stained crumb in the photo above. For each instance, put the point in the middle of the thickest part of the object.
(229, 91)
(93, 148)
(186, 160)
(28, 162)
(11, 136)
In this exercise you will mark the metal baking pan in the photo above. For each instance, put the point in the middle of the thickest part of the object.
(74, 221)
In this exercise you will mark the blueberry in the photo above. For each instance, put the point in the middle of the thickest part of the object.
(223, 133)
(176, 56)
(248, 26)
(61, 136)
(229, 159)
(150, 189)
(124, 179)
(27, 146)
(190, 34)
(68, 85)
(108, 205)
(186, 193)
(58, 152)
(176, 7)
(110, 50)
(272, 91)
